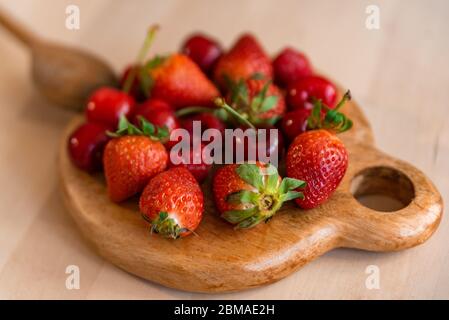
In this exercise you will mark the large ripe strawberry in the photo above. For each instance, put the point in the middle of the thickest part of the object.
(132, 158)
(177, 80)
(247, 194)
(173, 203)
(245, 59)
(258, 100)
(319, 158)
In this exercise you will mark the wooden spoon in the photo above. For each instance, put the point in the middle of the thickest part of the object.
(64, 75)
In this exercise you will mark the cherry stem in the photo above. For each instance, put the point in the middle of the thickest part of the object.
(140, 58)
(222, 104)
(346, 97)
(195, 109)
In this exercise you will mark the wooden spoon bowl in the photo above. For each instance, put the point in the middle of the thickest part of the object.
(64, 75)
(222, 259)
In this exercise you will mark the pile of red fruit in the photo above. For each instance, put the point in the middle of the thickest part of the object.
(127, 130)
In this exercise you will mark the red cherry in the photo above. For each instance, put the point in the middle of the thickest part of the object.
(295, 122)
(199, 170)
(203, 50)
(106, 105)
(270, 147)
(208, 121)
(159, 113)
(86, 146)
(289, 66)
(301, 93)
(136, 90)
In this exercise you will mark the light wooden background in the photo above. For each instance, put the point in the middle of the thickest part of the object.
(399, 75)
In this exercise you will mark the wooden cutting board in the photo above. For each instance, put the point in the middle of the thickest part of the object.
(222, 259)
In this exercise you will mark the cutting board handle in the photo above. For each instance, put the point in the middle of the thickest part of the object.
(374, 172)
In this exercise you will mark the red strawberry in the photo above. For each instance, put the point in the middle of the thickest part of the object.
(130, 161)
(260, 101)
(173, 203)
(289, 66)
(247, 194)
(180, 82)
(319, 158)
(245, 59)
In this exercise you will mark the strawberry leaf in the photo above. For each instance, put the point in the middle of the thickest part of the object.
(242, 197)
(147, 127)
(333, 119)
(163, 215)
(259, 98)
(163, 132)
(258, 76)
(166, 226)
(268, 103)
(288, 184)
(249, 222)
(125, 128)
(154, 63)
(272, 181)
(251, 174)
(236, 216)
(239, 94)
(290, 195)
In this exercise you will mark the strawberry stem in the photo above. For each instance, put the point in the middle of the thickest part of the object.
(140, 58)
(222, 104)
(195, 109)
(333, 119)
(346, 97)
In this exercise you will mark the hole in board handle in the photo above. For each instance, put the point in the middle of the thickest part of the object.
(382, 189)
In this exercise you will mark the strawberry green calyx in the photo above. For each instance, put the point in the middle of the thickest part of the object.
(146, 129)
(333, 120)
(265, 199)
(253, 107)
(167, 227)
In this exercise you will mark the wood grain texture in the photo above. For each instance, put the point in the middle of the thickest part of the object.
(397, 73)
(223, 259)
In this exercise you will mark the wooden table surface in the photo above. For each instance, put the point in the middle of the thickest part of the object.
(399, 74)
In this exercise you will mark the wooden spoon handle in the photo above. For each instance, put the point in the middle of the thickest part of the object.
(374, 172)
(18, 30)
